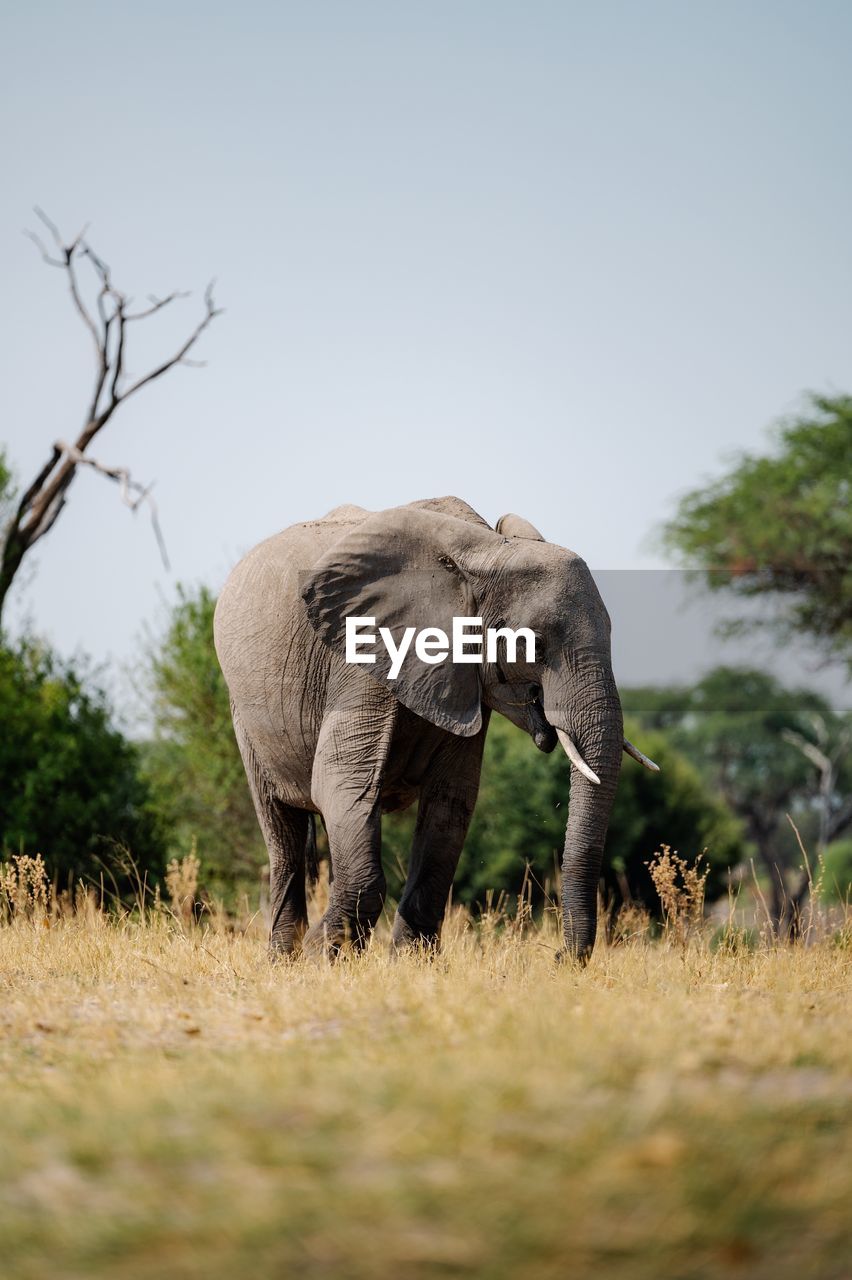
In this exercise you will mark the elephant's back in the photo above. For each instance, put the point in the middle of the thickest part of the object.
(267, 649)
(268, 577)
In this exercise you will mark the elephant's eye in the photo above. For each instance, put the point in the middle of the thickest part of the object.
(535, 692)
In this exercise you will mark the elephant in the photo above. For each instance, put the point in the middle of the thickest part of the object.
(320, 735)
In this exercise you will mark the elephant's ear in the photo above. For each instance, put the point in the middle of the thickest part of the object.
(512, 526)
(399, 567)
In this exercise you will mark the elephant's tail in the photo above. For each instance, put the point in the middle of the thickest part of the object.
(311, 861)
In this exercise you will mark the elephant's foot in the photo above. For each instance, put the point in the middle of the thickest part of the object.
(406, 938)
(350, 918)
(285, 941)
(328, 937)
(323, 940)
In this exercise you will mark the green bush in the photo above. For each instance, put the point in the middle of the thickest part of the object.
(835, 882)
(70, 787)
(523, 808)
(200, 791)
(192, 764)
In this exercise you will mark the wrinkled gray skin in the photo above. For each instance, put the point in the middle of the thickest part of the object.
(318, 735)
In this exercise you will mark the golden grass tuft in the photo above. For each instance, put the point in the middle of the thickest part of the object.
(176, 1106)
(680, 887)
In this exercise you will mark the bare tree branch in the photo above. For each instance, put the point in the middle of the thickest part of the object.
(30, 493)
(47, 521)
(68, 251)
(52, 228)
(840, 820)
(39, 244)
(826, 756)
(98, 263)
(212, 312)
(118, 360)
(157, 304)
(44, 499)
(128, 486)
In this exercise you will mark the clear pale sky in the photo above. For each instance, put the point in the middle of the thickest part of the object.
(562, 259)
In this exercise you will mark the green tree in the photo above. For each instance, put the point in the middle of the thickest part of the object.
(193, 765)
(200, 790)
(780, 528)
(522, 810)
(835, 879)
(743, 732)
(677, 808)
(70, 787)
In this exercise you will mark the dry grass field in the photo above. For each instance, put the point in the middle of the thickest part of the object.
(173, 1105)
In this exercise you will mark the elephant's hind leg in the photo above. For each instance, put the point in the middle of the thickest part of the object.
(288, 833)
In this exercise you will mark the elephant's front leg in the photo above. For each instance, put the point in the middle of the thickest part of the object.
(346, 788)
(447, 800)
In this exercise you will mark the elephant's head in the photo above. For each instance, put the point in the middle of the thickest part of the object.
(420, 567)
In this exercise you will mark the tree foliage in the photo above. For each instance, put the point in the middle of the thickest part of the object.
(201, 792)
(680, 808)
(780, 527)
(523, 808)
(69, 782)
(835, 879)
(193, 764)
(739, 729)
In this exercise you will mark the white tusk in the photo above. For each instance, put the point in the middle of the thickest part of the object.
(640, 756)
(576, 759)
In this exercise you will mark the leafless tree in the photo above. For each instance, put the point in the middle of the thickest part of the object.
(37, 510)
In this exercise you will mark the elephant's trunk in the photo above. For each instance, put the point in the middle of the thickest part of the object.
(582, 700)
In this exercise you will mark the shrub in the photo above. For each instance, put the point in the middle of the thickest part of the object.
(70, 787)
(835, 879)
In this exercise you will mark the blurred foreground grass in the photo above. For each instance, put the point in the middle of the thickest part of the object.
(175, 1106)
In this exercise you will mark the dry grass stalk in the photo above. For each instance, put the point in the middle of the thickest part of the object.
(680, 886)
(632, 924)
(174, 1103)
(182, 885)
(24, 889)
